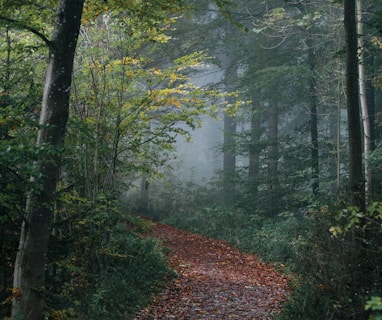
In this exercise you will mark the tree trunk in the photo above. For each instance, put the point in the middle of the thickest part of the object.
(254, 154)
(313, 121)
(335, 137)
(144, 198)
(371, 103)
(273, 155)
(29, 273)
(363, 101)
(229, 156)
(371, 95)
(356, 177)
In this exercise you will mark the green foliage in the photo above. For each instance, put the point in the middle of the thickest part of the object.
(338, 269)
(20, 94)
(131, 98)
(135, 270)
(128, 110)
(334, 271)
(375, 305)
(201, 209)
(102, 264)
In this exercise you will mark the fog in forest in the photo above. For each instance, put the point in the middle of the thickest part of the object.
(254, 122)
(199, 159)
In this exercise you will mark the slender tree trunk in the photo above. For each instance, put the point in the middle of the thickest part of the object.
(115, 151)
(371, 107)
(144, 198)
(370, 98)
(99, 114)
(29, 273)
(254, 153)
(313, 121)
(356, 176)
(4, 95)
(7, 61)
(273, 155)
(229, 156)
(335, 137)
(363, 101)
(361, 261)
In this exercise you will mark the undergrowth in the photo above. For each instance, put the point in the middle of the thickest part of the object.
(103, 264)
(335, 269)
(274, 239)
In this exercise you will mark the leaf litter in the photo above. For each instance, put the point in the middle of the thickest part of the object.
(215, 281)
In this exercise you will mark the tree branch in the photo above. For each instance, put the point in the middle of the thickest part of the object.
(20, 25)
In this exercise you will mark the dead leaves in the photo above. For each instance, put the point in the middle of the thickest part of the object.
(215, 281)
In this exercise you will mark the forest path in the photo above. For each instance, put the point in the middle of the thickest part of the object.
(215, 281)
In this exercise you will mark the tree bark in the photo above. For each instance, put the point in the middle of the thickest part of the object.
(29, 273)
(229, 157)
(229, 154)
(254, 154)
(313, 121)
(356, 177)
(363, 101)
(273, 156)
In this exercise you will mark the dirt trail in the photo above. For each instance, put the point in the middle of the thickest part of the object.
(216, 281)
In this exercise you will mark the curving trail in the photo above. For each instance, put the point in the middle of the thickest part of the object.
(216, 281)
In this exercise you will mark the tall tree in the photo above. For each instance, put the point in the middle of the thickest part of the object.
(363, 100)
(313, 121)
(229, 154)
(254, 152)
(356, 176)
(29, 274)
(273, 155)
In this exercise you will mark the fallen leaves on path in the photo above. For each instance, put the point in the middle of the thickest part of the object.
(215, 281)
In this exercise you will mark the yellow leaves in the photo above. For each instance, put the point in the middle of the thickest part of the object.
(336, 230)
(168, 97)
(156, 71)
(144, 116)
(173, 77)
(91, 120)
(170, 91)
(125, 61)
(161, 38)
(92, 9)
(126, 64)
(95, 65)
(377, 42)
(172, 101)
(17, 293)
(109, 253)
(192, 60)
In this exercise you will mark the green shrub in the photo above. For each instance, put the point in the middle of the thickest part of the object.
(334, 253)
(337, 270)
(102, 263)
(275, 239)
(279, 239)
(134, 269)
(375, 305)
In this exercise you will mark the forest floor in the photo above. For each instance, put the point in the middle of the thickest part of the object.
(215, 281)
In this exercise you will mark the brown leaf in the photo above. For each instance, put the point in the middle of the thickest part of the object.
(216, 281)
